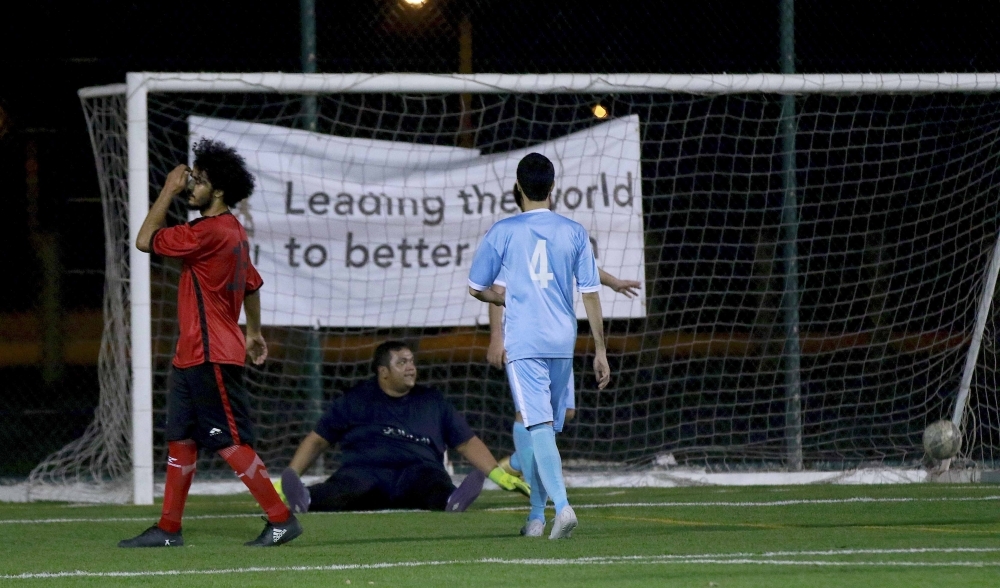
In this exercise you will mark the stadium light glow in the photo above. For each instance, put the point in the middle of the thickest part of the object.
(415, 3)
(599, 111)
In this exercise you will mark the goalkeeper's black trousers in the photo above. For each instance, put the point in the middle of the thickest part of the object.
(420, 486)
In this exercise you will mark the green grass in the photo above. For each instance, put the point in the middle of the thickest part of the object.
(928, 535)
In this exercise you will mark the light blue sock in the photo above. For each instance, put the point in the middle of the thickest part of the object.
(549, 464)
(523, 449)
(538, 498)
(515, 461)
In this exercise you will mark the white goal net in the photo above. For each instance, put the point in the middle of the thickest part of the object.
(806, 309)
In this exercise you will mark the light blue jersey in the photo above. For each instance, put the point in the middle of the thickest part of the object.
(541, 255)
(560, 401)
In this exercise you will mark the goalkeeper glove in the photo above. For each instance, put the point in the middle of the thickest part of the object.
(509, 482)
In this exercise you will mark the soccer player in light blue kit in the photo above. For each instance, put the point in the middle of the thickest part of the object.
(541, 254)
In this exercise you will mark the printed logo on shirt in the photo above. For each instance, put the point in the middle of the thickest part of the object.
(398, 433)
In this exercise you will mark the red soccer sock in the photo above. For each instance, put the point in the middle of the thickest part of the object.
(249, 468)
(180, 471)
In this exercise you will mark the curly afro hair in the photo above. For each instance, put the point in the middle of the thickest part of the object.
(226, 170)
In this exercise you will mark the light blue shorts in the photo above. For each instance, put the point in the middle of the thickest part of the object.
(542, 390)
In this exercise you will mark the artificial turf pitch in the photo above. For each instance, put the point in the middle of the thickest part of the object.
(826, 535)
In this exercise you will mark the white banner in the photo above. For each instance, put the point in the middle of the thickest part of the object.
(366, 233)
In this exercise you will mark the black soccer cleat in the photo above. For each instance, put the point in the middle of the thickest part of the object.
(154, 537)
(275, 534)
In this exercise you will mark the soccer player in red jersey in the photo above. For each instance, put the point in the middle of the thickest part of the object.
(207, 404)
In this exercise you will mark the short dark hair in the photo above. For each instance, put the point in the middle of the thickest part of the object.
(226, 170)
(384, 352)
(518, 197)
(535, 174)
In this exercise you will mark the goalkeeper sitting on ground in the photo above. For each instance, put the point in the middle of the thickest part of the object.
(392, 435)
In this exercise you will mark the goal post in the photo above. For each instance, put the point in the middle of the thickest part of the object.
(141, 327)
(982, 317)
(898, 221)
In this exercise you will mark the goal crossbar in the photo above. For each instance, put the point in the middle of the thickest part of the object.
(568, 83)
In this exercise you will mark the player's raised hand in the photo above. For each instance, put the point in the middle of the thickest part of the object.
(630, 288)
(256, 348)
(176, 180)
(601, 370)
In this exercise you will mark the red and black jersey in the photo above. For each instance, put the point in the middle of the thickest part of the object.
(217, 275)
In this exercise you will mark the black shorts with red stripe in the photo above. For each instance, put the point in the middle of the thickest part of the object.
(209, 404)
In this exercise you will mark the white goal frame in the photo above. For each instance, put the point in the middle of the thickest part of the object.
(139, 85)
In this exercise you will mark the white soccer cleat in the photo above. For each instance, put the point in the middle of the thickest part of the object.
(533, 528)
(564, 523)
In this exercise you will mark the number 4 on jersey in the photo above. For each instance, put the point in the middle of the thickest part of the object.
(539, 267)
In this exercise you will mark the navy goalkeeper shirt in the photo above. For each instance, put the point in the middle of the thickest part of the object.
(377, 430)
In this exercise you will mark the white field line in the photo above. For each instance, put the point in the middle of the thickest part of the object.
(761, 504)
(698, 559)
(775, 562)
